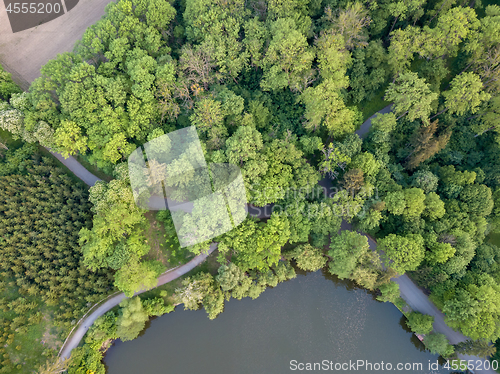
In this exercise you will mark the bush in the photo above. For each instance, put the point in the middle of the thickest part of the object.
(420, 323)
(438, 344)
(390, 292)
(308, 258)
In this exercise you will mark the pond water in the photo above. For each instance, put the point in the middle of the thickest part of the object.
(309, 319)
(494, 238)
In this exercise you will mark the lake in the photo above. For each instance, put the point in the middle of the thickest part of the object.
(309, 319)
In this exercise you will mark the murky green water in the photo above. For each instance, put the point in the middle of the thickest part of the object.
(494, 239)
(308, 319)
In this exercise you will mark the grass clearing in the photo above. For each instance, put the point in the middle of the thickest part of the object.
(162, 237)
(155, 236)
(369, 107)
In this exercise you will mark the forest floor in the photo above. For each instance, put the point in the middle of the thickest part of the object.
(155, 238)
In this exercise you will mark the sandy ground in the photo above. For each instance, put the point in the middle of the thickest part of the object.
(25, 52)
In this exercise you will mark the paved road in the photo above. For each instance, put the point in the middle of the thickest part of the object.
(78, 169)
(169, 276)
(419, 302)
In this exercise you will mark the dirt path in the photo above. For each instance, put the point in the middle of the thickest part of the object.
(166, 277)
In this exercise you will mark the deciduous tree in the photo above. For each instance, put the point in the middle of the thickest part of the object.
(420, 323)
(402, 253)
(131, 320)
(411, 96)
(308, 258)
(288, 59)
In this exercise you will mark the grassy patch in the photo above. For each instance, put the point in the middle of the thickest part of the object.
(167, 289)
(155, 234)
(376, 103)
(7, 139)
(210, 265)
(33, 344)
(170, 246)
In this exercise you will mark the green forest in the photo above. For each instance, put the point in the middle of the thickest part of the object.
(278, 88)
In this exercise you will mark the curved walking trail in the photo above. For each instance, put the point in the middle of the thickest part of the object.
(30, 49)
(419, 302)
(76, 168)
(166, 277)
(412, 294)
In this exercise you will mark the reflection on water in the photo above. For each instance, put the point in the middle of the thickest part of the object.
(308, 319)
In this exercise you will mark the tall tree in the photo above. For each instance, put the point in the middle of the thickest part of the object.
(475, 311)
(217, 25)
(117, 233)
(483, 47)
(426, 144)
(402, 48)
(465, 94)
(402, 10)
(136, 276)
(256, 245)
(352, 258)
(411, 96)
(132, 319)
(281, 64)
(7, 85)
(296, 10)
(308, 258)
(452, 28)
(420, 323)
(351, 23)
(326, 108)
(438, 344)
(402, 253)
(479, 348)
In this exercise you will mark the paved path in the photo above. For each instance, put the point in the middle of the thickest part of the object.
(78, 169)
(419, 302)
(412, 294)
(365, 127)
(166, 277)
(25, 52)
